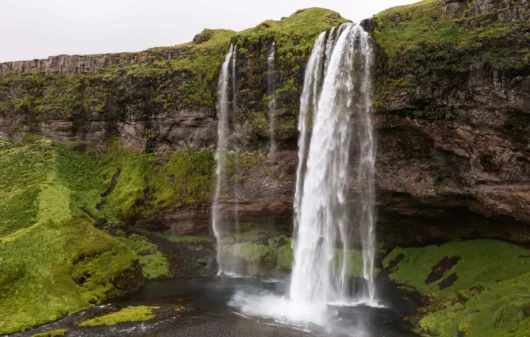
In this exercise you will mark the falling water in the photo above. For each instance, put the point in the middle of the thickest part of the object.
(223, 110)
(341, 119)
(271, 91)
(236, 166)
(329, 47)
(308, 102)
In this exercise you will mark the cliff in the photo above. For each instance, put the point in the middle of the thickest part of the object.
(453, 109)
(451, 100)
(452, 113)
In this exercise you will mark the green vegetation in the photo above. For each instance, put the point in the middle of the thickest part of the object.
(54, 333)
(167, 78)
(51, 197)
(482, 262)
(261, 252)
(425, 22)
(158, 80)
(129, 314)
(500, 310)
(147, 184)
(154, 264)
(47, 194)
(427, 44)
(188, 238)
(475, 288)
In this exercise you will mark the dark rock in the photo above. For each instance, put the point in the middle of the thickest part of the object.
(368, 24)
(441, 267)
(203, 36)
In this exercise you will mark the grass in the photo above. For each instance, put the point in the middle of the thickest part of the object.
(148, 185)
(129, 314)
(404, 27)
(482, 262)
(500, 310)
(44, 275)
(53, 333)
(49, 198)
(154, 264)
(260, 251)
(488, 296)
(423, 48)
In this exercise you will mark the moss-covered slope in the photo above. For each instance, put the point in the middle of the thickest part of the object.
(52, 259)
(424, 46)
(472, 288)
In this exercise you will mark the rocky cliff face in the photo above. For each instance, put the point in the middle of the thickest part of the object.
(452, 113)
(453, 108)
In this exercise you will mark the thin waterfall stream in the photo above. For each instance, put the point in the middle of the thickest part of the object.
(225, 265)
(271, 92)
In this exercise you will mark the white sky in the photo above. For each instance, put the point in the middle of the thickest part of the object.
(32, 29)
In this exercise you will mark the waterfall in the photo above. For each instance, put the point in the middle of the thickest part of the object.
(236, 168)
(223, 110)
(308, 102)
(271, 92)
(341, 158)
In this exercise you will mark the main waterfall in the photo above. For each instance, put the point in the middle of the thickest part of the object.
(334, 237)
(330, 223)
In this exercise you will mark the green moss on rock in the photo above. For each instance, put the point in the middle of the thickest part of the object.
(154, 264)
(501, 309)
(472, 288)
(430, 48)
(129, 314)
(481, 262)
(53, 333)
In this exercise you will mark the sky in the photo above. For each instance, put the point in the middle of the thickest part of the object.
(31, 29)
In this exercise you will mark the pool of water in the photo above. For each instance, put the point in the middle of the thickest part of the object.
(211, 311)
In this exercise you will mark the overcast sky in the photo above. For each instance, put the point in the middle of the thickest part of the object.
(32, 29)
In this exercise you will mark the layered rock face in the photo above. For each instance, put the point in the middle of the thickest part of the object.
(452, 105)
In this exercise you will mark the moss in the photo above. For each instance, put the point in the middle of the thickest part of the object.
(154, 264)
(148, 185)
(129, 314)
(426, 49)
(260, 251)
(143, 87)
(500, 310)
(46, 275)
(131, 184)
(181, 179)
(53, 333)
(405, 27)
(188, 239)
(482, 262)
(472, 288)
(285, 257)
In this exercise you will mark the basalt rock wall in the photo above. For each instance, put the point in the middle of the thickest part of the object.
(451, 99)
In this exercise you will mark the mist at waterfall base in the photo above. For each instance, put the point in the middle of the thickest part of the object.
(337, 96)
